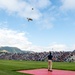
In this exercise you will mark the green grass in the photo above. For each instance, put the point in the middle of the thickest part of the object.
(10, 67)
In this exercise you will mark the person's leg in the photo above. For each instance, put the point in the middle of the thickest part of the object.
(48, 64)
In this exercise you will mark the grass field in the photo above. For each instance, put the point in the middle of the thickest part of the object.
(10, 67)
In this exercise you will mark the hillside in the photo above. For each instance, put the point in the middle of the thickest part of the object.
(10, 49)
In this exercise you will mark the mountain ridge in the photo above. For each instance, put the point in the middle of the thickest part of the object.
(10, 49)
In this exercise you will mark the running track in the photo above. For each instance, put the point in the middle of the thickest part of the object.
(46, 72)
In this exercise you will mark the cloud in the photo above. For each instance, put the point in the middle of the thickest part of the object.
(4, 24)
(24, 8)
(13, 38)
(73, 47)
(45, 24)
(67, 5)
(19, 39)
(58, 47)
(52, 47)
(20, 7)
(40, 4)
(46, 21)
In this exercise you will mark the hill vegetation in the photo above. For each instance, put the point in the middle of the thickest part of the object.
(10, 49)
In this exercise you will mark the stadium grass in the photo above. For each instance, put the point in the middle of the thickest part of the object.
(10, 67)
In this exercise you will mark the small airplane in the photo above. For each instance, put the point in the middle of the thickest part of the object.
(30, 19)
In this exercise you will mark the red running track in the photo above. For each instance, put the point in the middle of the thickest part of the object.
(46, 72)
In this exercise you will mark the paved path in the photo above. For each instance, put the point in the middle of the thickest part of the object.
(46, 72)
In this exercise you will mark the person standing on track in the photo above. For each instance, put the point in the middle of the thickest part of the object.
(50, 62)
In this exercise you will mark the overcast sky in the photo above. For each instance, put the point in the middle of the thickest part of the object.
(52, 28)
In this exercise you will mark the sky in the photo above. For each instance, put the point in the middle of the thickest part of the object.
(52, 28)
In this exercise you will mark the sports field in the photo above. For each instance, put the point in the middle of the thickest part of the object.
(10, 67)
